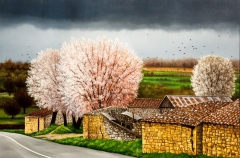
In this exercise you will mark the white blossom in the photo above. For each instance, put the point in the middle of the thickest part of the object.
(97, 74)
(42, 82)
(213, 76)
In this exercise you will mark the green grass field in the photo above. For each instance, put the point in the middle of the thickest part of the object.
(18, 119)
(173, 80)
(5, 96)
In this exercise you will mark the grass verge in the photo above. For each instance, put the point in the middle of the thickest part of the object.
(45, 131)
(67, 129)
(131, 148)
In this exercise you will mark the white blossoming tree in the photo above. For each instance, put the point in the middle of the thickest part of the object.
(42, 82)
(97, 74)
(213, 76)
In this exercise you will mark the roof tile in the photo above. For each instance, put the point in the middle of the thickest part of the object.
(184, 101)
(228, 115)
(40, 113)
(145, 103)
(191, 115)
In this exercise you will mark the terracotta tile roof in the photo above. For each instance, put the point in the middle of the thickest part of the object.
(228, 115)
(40, 113)
(184, 101)
(191, 115)
(145, 103)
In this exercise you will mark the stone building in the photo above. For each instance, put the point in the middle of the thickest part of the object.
(211, 128)
(114, 121)
(41, 119)
(221, 132)
(178, 101)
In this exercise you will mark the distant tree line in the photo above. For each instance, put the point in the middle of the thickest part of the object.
(10, 65)
(181, 63)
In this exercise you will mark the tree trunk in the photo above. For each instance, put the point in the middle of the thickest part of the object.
(24, 110)
(54, 115)
(65, 119)
(73, 121)
(78, 123)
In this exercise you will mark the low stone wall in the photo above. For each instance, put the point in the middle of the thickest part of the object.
(34, 124)
(59, 119)
(118, 133)
(99, 127)
(172, 138)
(221, 140)
(123, 120)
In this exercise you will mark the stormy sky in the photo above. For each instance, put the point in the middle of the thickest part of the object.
(151, 28)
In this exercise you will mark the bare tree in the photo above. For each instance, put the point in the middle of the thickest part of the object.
(42, 82)
(97, 74)
(213, 76)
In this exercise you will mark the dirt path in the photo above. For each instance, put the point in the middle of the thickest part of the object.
(58, 136)
(52, 136)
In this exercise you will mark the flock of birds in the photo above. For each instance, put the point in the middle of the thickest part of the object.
(181, 49)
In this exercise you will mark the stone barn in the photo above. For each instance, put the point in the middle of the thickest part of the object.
(201, 128)
(221, 132)
(41, 119)
(178, 101)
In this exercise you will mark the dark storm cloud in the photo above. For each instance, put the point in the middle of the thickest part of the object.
(126, 13)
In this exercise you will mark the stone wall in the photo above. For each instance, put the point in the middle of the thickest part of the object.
(145, 112)
(221, 140)
(33, 124)
(59, 119)
(99, 127)
(208, 139)
(93, 127)
(172, 138)
(123, 120)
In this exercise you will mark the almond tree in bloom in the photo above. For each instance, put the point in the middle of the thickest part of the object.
(97, 74)
(42, 82)
(213, 76)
